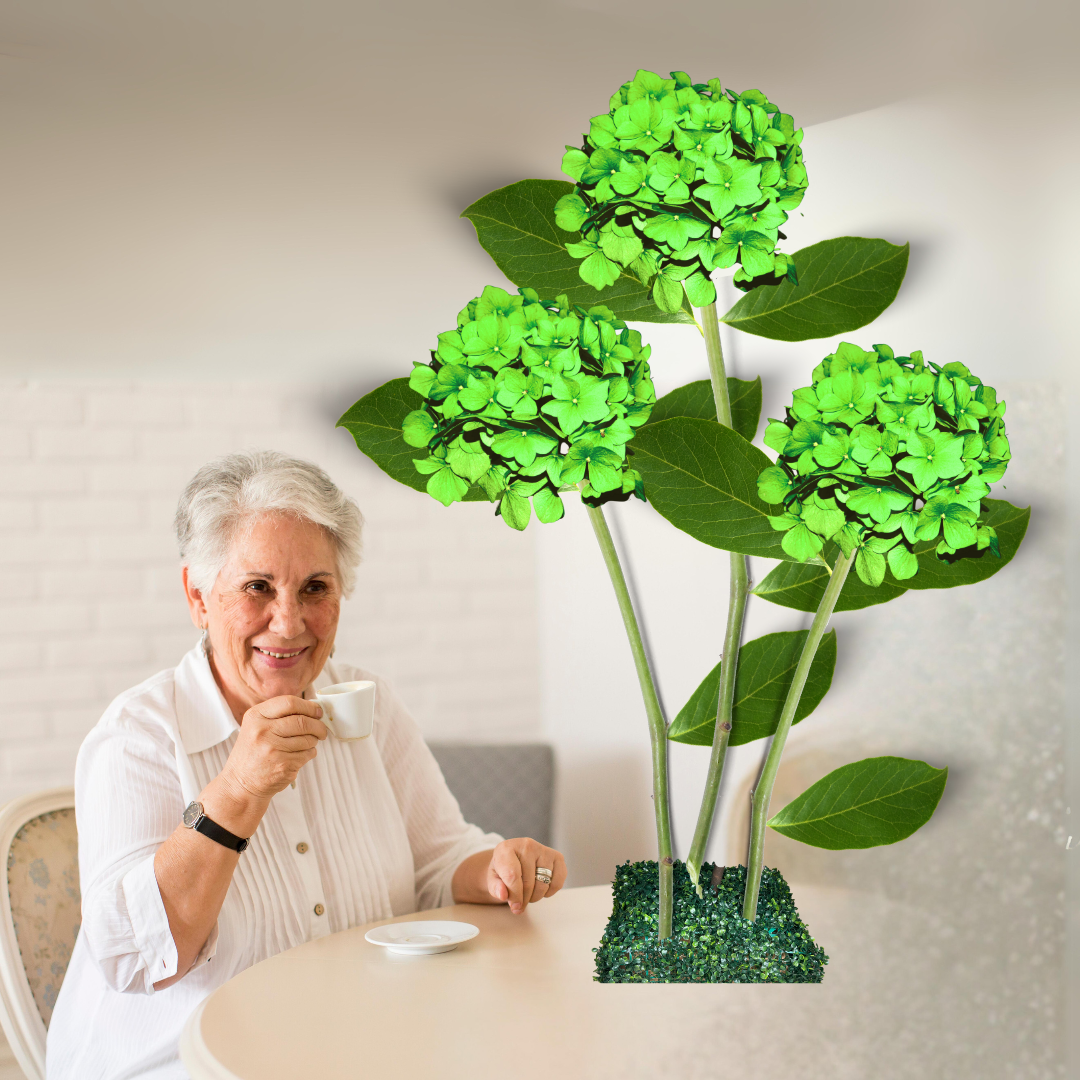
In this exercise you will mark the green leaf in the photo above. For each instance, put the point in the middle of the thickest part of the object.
(516, 227)
(375, 423)
(696, 399)
(1011, 523)
(515, 510)
(446, 486)
(766, 668)
(844, 283)
(801, 585)
(702, 477)
(745, 396)
(865, 804)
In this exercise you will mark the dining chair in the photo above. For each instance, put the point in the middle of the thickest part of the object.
(40, 913)
(506, 788)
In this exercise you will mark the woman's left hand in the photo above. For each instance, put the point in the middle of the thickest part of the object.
(511, 874)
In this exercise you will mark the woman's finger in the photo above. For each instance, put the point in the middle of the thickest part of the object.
(292, 744)
(558, 872)
(288, 704)
(529, 853)
(496, 886)
(547, 859)
(531, 889)
(505, 863)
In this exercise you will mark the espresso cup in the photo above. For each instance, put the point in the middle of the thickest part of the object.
(348, 709)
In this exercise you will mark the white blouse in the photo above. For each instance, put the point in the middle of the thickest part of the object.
(370, 830)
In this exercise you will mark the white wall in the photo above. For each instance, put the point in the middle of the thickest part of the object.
(245, 187)
(90, 597)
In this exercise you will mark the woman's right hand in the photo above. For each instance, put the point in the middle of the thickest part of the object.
(277, 738)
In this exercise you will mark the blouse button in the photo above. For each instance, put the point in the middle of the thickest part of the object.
(319, 909)
(301, 847)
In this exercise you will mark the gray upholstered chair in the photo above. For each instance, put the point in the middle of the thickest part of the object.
(504, 788)
(40, 909)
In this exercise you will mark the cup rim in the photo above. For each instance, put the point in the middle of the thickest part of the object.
(352, 687)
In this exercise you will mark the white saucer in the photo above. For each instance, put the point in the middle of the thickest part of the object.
(420, 938)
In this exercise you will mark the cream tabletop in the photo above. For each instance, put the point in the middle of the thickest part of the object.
(519, 1001)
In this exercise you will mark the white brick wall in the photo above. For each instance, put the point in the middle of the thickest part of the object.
(90, 598)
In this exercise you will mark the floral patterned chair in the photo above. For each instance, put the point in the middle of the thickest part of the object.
(40, 913)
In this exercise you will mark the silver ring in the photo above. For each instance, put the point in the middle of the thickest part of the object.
(543, 875)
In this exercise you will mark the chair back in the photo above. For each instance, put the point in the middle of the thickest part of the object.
(40, 914)
(503, 788)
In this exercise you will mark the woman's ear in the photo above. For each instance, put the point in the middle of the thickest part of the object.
(199, 614)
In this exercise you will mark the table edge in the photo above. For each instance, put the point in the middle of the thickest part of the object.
(195, 1054)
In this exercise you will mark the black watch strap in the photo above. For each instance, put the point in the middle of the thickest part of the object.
(194, 818)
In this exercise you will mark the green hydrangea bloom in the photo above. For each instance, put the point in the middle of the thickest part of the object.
(679, 179)
(528, 398)
(883, 453)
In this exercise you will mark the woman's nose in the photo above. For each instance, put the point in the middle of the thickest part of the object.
(286, 618)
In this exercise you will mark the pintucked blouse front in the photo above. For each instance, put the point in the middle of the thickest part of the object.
(368, 831)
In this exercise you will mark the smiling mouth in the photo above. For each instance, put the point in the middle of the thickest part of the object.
(279, 655)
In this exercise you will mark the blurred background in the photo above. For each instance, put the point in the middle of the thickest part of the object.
(223, 223)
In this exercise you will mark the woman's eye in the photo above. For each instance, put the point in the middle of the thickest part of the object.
(316, 586)
(258, 587)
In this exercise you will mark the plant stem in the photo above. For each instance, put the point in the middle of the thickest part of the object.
(737, 589)
(717, 374)
(763, 790)
(657, 726)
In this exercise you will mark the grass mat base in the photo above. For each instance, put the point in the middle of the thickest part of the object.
(710, 940)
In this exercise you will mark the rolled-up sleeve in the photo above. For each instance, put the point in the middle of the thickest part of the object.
(440, 838)
(128, 801)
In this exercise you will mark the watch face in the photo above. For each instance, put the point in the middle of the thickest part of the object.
(192, 814)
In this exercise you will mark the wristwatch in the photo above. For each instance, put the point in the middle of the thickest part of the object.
(194, 818)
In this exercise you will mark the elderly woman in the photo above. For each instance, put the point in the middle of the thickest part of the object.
(218, 825)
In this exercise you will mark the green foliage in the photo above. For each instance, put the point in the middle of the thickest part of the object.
(696, 399)
(516, 227)
(702, 477)
(842, 284)
(802, 585)
(883, 453)
(710, 940)
(678, 179)
(528, 398)
(766, 667)
(375, 423)
(1008, 522)
(865, 804)
(745, 400)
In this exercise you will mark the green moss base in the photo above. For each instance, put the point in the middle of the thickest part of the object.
(710, 940)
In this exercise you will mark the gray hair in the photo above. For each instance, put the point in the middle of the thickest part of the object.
(230, 492)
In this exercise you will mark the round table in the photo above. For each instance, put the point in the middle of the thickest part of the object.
(519, 1001)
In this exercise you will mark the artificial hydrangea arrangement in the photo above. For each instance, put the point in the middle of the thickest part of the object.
(679, 179)
(882, 452)
(528, 398)
(882, 461)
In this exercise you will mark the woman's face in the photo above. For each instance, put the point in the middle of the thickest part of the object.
(273, 611)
